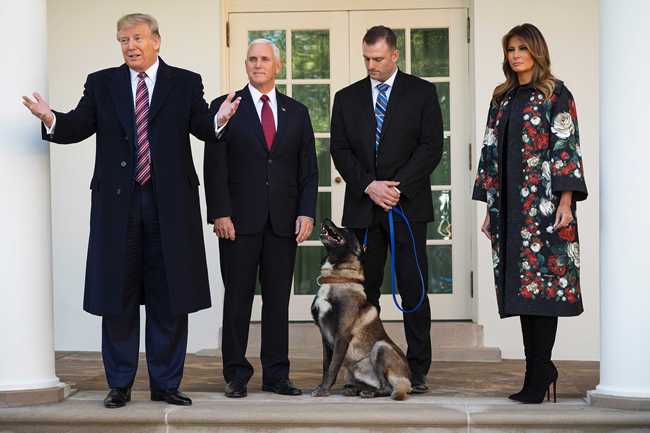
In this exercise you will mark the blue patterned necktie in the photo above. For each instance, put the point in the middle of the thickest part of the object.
(380, 112)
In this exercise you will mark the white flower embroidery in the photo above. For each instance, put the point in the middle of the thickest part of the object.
(525, 265)
(490, 138)
(563, 282)
(546, 207)
(525, 193)
(546, 171)
(525, 234)
(573, 250)
(495, 259)
(577, 173)
(549, 229)
(533, 161)
(563, 125)
(536, 246)
(535, 120)
(532, 212)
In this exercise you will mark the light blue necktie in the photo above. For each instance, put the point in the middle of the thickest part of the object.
(380, 112)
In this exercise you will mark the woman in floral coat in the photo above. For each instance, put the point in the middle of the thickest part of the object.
(531, 175)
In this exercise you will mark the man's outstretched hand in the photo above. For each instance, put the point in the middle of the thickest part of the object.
(39, 108)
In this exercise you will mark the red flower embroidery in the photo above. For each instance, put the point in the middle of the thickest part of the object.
(568, 233)
(555, 268)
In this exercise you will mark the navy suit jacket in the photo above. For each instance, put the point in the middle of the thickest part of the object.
(249, 183)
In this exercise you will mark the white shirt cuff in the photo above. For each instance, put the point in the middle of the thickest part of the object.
(50, 130)
(218, 129)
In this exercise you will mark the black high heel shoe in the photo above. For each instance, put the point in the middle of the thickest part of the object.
(540, 387)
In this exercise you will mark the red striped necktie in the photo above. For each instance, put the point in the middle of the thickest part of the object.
(143, 166)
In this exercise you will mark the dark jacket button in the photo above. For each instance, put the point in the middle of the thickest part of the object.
(118, 192)
(123, 163)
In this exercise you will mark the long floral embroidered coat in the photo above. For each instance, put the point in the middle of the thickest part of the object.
(530, 155)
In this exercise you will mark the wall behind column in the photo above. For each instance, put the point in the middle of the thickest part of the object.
(571, 31)
(81, 38)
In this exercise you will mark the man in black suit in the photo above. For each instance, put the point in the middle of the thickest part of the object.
(261, 195)
(386, 139)
(146, 242)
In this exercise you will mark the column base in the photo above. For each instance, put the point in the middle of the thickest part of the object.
(599, 399)
(30, 397)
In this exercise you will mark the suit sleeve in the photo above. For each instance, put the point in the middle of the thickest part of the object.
(215, 175)
(485, 178)
(77, 124)
(344, 157)
(565, 156)
(201, 118)
(427, 154)
(307, 171)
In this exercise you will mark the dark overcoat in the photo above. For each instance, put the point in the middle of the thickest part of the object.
(177, 110)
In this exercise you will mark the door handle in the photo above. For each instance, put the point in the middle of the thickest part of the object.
(338, 179)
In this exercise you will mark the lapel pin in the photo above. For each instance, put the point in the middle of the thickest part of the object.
(283, 109)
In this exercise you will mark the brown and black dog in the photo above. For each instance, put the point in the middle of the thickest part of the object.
(353, 335)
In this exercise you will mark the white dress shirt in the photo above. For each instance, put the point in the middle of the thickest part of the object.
(150, 81)
(257, 100)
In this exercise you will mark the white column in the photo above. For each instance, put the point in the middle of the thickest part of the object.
(624, 204)
(26, 316)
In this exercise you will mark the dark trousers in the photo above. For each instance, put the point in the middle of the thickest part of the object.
(417, 325)
(273, 256)
(165, 334)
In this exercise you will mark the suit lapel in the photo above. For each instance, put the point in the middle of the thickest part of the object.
(123, 99)
(249, 105)
(164, 83)
(368, 115)
(394, 100)
(282, 121)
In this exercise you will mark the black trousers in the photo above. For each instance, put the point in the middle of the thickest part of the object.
(273, 257)
(417, 325)
(165, 334)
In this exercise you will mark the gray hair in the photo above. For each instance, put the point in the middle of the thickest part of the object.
(276, 50)
(131, 20)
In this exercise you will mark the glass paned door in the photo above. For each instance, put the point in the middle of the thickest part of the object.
(433, 46)
(313, 47)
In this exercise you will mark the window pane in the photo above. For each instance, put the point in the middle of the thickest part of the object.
(282, 88)
(439, 263)
(311, 54)
(317, 99)
(430, 52)
(323, 210)
(439, 270)
(441, 227)
(401, 46)
(442, 174)
(308, 262)
(443, 98)
(324, 164)
(279, 38)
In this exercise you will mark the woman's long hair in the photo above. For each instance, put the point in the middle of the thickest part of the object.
(543, 79)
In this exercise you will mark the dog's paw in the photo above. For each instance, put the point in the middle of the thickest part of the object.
(350, 391)
(320, 391)
(367, 394)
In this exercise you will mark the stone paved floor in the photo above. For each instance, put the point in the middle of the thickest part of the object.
(84, 371)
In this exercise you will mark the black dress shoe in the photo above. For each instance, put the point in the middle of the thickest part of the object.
(283, 387)
(419, 385)
(236, 390)
(117, 397)
(171, 396)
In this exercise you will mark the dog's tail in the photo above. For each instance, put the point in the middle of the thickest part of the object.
(401, 386)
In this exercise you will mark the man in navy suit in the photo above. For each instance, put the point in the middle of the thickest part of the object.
(261, 191)
(146, 242)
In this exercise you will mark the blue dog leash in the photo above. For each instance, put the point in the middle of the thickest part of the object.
(391, 226)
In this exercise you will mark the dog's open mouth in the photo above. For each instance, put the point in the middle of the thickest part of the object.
(330, 236)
